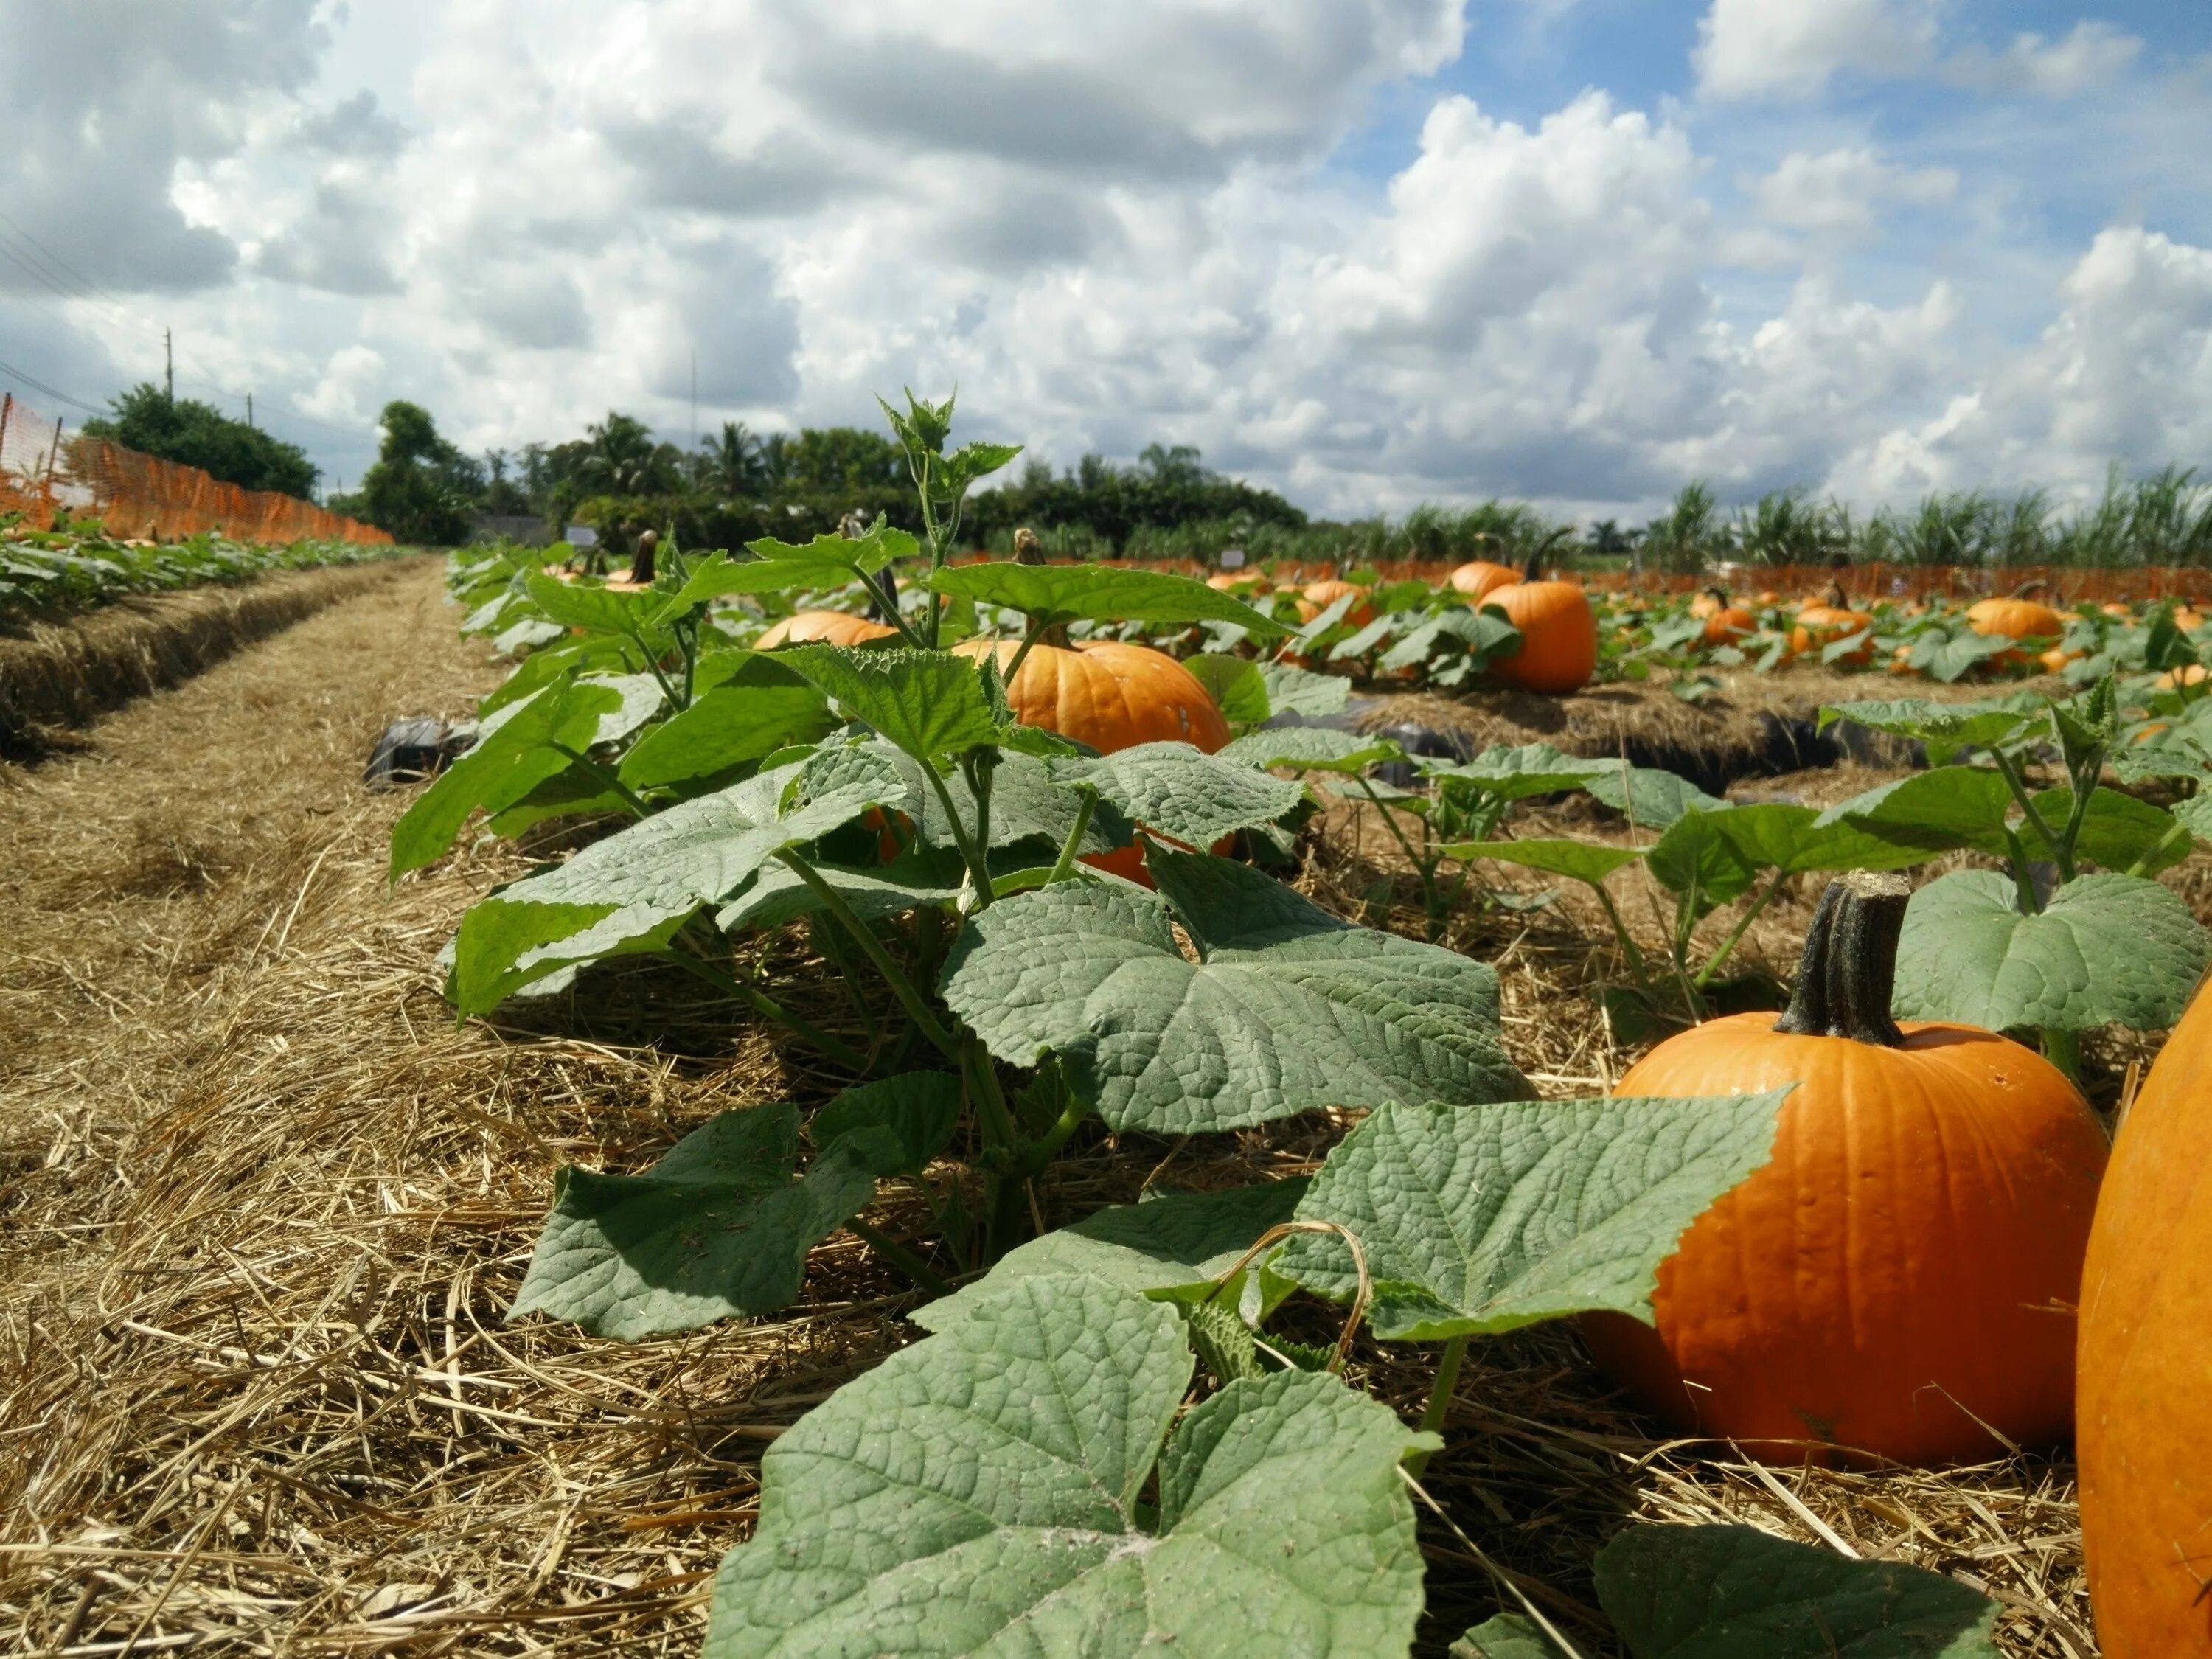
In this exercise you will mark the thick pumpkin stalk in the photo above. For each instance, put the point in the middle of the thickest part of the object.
(1849, 969)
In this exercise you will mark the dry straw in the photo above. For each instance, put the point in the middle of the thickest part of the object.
(265, 1207)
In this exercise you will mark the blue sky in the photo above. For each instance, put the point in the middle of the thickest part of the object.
(1369, 251)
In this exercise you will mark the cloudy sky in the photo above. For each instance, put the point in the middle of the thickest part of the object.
(1371, 251)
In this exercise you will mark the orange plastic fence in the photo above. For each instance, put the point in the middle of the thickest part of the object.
(43, 469)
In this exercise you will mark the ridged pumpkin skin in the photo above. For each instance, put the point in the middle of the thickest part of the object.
(1317, 597)
(1110, 694)
(1559, 631)
(1918, 1233)
(2146, 1365)
(1479, 578)
(827, 627)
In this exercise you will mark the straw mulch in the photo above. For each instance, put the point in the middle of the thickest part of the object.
(63, 673)
(265, 1207)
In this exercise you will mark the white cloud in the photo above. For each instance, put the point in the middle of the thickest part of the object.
(1768, 48)
(2091, 56)
(1842, 192)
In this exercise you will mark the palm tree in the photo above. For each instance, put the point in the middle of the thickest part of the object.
(732, 461)
(622, 458)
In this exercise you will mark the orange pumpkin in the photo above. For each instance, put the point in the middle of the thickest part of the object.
(1559, 634)
(1725, 621)
(1907, 1261)
(829, 627)
(1826, 620)
(1235, 581)
(2146, 1366)
(2054, 660)
(1111, 695)
(2120, 612)
(1900, 662)
(1319, 596)
(2188, 619)
(2014, 619)
(2174, 679)
(1479, 577)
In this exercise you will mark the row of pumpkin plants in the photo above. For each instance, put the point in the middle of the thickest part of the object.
(80, 566)
(1826, 1235)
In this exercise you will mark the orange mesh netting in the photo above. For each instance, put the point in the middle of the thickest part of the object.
(43, 469)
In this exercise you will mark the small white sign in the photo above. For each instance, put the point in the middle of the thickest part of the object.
(582, 535)
(1232, 558)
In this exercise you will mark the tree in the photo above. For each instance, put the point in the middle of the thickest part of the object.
(421, 489)
(193, 434)
(501, 494)
(731, 463)
(1177, 465)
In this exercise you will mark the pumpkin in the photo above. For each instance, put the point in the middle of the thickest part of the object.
(2015, 618)
(2116, 610)
(1906, 1263)
(830, 627)
(1319, 596)
(1725, 623)
(1111, 695)
(1235, 581)
(1479, 577)
(2146, 1366)
(1828, 620)
(2054, 660)
(2174, 679)
(2187, 619)
(1559, 634)
(1900, 662)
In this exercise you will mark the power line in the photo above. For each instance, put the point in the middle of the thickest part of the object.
(45, 390)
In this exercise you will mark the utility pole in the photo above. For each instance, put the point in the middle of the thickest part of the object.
(169, 362)
(694, 397)
(249, 409)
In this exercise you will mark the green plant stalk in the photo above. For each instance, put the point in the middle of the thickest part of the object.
(901, 987)
(1685, 923)
(1064, 866)
(761, 1002)
(2023, 888)
(607, 780)
(652, 667)
(1743, 923)
(2062, 854)
(978, 766)
(1040, 1152)
(832, 942)
(1628, 945)
(979, 869)
(899, 1256)
(2064, 1050)
(1390, 823)
(1034, 632)
(1440, 1397)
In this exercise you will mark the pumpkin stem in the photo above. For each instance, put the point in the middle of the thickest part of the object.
(1849, 966)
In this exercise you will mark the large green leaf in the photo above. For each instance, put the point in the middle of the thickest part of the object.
(759, 707)
(1515, 773)
(929, 703)
(826, 562)
(1479, 635)
(1053, 593)
(2118, 832)
(602, 609)
(1780, 835)
(1311, 749)
(513, 754)
(898, 1124)
(1654, 798)
(1509, 1636)
(1287, 1008)
(718, 1229)
(1714, 1592)
(1490, 1219)
(1235, 683)
(1933, 811)
(2108, 949)
(913, 881)
(1695, 852)
(642, 698)
(978, 1493)
(1026, 805)
(632, 886)
(1980, 723)
(1171, 1248)
(1294, 690)
(1179, 791)
(1583, 860)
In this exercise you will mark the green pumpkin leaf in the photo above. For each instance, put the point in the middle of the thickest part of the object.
(1777, 836)
(1532, 769)
(717, 1230)
(600, 610)
(916, 880)
(642, 699)
(1981, 725)
(1311, 749)
(2108, 949)
(1652, 798)
(1061, 594)
(632, 889)
(1509, 1636)
(2118, 832)
(978, 1492)
(1236, 684)
(1294, 690)
(513, 754)
(758, 710)
(1182, 792)
(1582, 861)
(1487, 1220)
(928, 703)
(898, 1124)
(1476, 634)
(1696, 852)
(1937, 811)
(1171, 1248)
(1286, 1010)
(1717, 1592)
(1027, 807)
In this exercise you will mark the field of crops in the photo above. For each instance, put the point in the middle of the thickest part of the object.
(892, 1103)
(45, 572)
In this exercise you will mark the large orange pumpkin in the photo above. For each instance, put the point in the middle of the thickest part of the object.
(1559, 634)
(1726, 622)
(828, 626)
(2174, 679)
(1111, 695)
(1319, 596)
(2014, 619)
(1908, 1259)
(1479, 577)
(2146, 1365)
(1828, 620)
